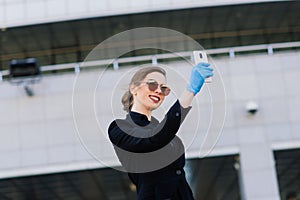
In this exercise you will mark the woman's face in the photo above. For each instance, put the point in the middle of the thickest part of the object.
(146, 99)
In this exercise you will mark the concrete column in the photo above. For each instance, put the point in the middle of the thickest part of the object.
(258, 172)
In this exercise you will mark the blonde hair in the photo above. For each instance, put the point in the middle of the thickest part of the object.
(127, 98)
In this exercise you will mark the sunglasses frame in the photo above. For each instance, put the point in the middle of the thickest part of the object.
(153, 85)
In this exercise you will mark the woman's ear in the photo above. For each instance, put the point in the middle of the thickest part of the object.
(133, 89)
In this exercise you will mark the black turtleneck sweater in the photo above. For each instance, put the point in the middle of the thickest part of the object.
(152, 153)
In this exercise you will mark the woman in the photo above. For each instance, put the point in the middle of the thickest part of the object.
(157, 165)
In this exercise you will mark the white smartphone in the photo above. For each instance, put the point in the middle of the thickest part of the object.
(200, 56)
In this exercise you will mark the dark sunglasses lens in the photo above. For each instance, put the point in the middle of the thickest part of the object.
(165, 90)
(152, 86)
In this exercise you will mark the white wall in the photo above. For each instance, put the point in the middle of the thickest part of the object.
(38, 135)
(24, 12)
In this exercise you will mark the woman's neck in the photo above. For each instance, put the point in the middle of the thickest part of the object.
(142, 111)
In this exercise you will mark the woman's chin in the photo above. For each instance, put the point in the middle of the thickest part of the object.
(154, 107)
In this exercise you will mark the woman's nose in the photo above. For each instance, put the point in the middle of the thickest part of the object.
(158, 90)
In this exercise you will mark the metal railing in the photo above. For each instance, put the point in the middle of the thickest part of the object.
(231, 51)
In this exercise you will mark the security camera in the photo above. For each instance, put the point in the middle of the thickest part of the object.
(252, 107)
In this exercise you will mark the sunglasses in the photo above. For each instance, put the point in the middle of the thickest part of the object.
(153, 85)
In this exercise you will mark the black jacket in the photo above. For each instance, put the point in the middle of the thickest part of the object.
(152, 153)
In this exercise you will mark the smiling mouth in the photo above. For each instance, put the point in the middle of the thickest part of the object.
(154, 99)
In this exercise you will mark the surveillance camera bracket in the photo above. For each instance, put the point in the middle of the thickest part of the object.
(25, 82)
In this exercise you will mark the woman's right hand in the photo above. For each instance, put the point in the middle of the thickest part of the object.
(199, 73)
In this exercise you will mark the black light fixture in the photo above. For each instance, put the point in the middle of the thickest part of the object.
(24, 72)
(24, 68)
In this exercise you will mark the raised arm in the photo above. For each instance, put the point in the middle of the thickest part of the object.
(199, 73)
(125, 134)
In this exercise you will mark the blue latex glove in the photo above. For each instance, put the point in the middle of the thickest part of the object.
(199, 73)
